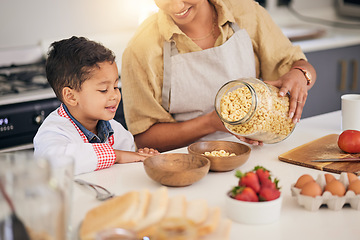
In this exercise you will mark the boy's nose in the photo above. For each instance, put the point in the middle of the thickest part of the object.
(116, 95)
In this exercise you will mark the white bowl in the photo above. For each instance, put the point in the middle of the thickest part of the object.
(253, 212)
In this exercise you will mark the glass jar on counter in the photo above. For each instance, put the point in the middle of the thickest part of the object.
(250, 108)
(37, 205)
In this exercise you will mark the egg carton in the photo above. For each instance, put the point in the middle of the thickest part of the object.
(332, 202)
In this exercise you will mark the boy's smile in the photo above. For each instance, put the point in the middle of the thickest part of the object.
(112, 108)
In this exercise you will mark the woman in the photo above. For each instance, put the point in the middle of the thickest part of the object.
(181, 56)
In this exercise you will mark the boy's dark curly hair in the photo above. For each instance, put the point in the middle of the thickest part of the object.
(70, 62)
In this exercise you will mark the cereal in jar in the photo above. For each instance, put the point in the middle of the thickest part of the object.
(250, 108)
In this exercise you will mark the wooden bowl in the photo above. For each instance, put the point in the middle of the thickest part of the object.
(176, 169)
(222, 164)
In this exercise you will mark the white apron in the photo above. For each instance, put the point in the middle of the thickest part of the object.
(191, 80)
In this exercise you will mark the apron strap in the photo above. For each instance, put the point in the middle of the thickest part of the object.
(234, 26)
(171, 50)
(167, 75)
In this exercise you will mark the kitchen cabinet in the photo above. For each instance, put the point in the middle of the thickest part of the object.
(337, 74)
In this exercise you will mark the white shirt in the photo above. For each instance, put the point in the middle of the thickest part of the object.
(58, 135)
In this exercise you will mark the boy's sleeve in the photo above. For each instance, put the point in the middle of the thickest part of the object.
(57, 136)
(105, 155)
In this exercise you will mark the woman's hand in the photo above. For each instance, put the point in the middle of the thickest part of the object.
(215, 122)
(219, 126)
(249, 141)
(295, 83)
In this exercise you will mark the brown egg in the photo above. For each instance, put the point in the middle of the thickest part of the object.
(352, 177)
(355, 186)
(311, 189)
(335, 187)
(328, 177)
(302, 180)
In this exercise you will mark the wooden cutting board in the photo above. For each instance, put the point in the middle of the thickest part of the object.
(322, 148)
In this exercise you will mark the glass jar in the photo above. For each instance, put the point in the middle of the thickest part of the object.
(38, 205)
(250, 108)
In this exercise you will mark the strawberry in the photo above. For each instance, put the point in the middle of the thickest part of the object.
(249, 179)
(268, 183)
(265, 178)
(268, 194)
(244, 194)
(262, 173)
(256, 185)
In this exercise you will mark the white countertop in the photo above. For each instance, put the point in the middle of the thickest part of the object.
(295, 222)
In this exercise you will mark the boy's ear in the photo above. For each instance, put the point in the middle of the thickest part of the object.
(69, 96)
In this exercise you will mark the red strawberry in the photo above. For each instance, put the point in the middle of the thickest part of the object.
(268, 194)
(245, 194)
(268, 183)
(262, 173)
(249, 179)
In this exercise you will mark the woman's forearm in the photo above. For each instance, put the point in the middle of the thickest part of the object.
(168, 136)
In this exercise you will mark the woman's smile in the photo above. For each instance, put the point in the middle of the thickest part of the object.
(182, 13)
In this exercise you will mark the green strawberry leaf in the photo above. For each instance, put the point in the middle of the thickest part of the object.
(239, 174)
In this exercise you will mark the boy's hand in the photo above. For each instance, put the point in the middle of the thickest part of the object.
(147, 151)
(139, 156)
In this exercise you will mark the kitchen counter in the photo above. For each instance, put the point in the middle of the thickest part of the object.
(295, 222)
(338, 31)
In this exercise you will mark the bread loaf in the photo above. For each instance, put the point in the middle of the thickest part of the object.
(155, 211)
(112, 213)
(197, 211)
(141, 207)
(145, 213)
(176, 207)
(211, 222)
(222, 231)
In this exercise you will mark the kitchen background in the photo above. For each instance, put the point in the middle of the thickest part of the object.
(28, 27)
(28, 23)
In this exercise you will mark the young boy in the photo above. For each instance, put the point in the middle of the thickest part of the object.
(84, 77)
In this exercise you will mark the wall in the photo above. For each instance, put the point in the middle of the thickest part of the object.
(25, 23)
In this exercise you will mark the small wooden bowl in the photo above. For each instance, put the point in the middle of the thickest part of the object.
(176, 169)
(222, 164)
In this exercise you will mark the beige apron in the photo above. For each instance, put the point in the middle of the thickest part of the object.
(191, 80)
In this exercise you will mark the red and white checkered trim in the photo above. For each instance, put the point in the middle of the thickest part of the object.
(104, 151)
(105, 154)
(62, 113)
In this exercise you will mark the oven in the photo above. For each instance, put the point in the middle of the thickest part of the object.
(26, 98)
(19, 122)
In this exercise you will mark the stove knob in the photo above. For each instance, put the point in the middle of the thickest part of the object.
(39, 119)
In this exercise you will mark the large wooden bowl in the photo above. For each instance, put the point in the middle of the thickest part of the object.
(176, 169)
(222, 164)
